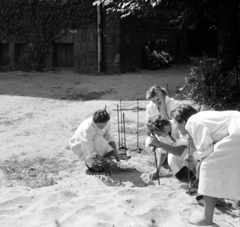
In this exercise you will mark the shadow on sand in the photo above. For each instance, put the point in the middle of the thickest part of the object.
(120, 176)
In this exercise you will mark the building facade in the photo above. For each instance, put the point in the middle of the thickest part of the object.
(120, 45)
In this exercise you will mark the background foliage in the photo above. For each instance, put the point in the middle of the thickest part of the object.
(40, 22)
(181, 13)
(208, 86)
(215, 85)
(221, 15)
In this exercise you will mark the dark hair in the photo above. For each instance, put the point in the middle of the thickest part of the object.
(101, 116)
(152, 46)
(147, 43)
(152, 91)
(158, 123)
(183, 112)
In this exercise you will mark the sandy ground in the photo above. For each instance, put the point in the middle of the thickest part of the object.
(43, 184)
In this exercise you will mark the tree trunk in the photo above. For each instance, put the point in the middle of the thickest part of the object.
(227, 35)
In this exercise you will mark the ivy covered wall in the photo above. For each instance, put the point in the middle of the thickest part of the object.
(31, 27)
(63, 33)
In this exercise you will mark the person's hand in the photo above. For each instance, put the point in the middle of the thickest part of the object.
(188, 158)
(118, 159)
(161, 95)
(154, 142)
(190, 142)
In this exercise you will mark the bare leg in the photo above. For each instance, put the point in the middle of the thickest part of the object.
(209, 205)
(207, 219)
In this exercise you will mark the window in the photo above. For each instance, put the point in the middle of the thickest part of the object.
(4, 54)
(63, 55)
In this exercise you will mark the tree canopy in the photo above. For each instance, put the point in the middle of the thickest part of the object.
(222, 15)
(182, 13)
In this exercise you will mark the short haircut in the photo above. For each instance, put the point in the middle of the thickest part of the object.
(183, 113)
(152, 91)
(158, 123)
(101, 116)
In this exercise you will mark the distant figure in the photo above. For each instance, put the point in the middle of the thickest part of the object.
(150, 57)
(150, 50)
(93, 142)
(167, 58)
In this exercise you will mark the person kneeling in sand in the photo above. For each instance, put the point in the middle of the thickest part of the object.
(160, 104)
(93, 142)
(174, 145)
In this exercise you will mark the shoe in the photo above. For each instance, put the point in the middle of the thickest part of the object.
(153, 176)
(199, 199)
(193, 182)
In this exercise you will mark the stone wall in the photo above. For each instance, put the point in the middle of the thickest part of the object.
(122, 41)
(111, 44)
(86, 46)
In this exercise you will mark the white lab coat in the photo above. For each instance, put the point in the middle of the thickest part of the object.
(152, 112)
(176, 163)
(152, 109)
(88, 140)
(216, 136)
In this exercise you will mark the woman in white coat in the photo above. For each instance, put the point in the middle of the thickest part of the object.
(92, 141)
(216, 137)
(160, 104)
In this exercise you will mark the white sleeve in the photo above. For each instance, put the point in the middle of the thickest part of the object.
(75, 145)
(74, 141)
(108, 136)
(166, 140)
(148, 113)
(171, 104)
(87, 141)
(182, 141)
(201, 138)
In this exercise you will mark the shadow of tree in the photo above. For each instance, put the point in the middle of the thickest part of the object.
(67, 85)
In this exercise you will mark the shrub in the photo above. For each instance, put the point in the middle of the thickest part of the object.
(208, 86)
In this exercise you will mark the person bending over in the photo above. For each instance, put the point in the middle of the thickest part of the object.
(165, 130)
(216, 137)
(93, 142)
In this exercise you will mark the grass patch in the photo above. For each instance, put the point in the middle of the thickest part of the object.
(86, 96)
(36, 172)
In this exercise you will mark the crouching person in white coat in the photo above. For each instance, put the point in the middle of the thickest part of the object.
(174, 146)
(160, 104)
(92, 141)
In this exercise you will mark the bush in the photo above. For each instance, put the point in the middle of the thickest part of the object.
(208, 86)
